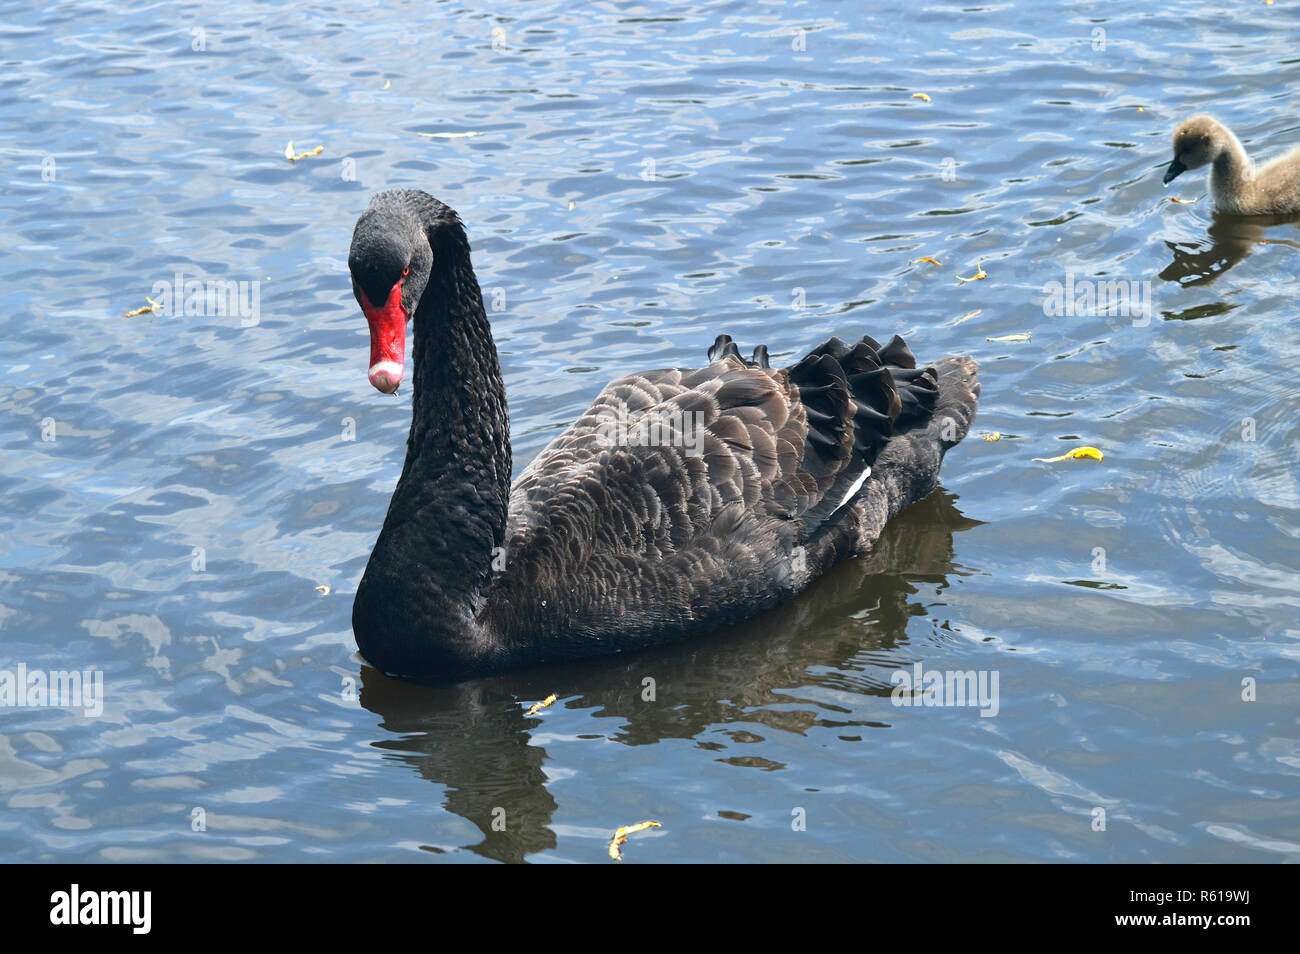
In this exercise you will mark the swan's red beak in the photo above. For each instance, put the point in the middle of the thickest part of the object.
(387, 340)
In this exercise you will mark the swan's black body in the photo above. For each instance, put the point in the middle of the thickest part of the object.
(603, 544)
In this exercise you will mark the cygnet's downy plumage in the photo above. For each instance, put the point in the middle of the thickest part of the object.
(1238, 186)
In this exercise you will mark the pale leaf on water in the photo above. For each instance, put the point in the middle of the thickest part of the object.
(143, 311)
(539, 706)
(1079, 453)
(620, 836)
(294, 157)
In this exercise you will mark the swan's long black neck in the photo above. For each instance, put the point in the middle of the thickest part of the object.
(416, 607)
(459, 426)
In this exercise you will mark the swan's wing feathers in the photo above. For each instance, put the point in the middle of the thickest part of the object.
(722, 347)
(774, 442)
(697, 441)
(733, 464)
(684, 494)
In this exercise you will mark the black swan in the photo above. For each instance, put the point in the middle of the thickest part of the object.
(681, 501)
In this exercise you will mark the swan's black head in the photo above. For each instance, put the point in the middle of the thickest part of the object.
(390, 261)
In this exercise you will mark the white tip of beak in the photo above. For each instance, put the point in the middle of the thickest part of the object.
(386, 376)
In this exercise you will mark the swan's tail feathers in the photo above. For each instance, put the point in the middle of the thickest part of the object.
(904, 420)
(886, 383)
(858, 408)
(958, 396)
(907, 470)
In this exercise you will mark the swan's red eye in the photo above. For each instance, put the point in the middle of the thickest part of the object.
(406, 271)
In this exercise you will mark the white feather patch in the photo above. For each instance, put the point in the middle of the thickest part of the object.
(857, 485)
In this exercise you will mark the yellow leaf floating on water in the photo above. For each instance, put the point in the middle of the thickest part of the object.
(1174, 198)
(539, 706)
(921, 96)
(1024, 337)
(388, 84)
(294, 157)
(570, 206)
(932, 261)
(620, 836)
(323, 590)
(979, 275)
(995, 436)
(152, 306)
(1079, 453)
(455, 135)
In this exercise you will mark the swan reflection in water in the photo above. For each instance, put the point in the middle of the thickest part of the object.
(1231, 239)
(475, 739)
